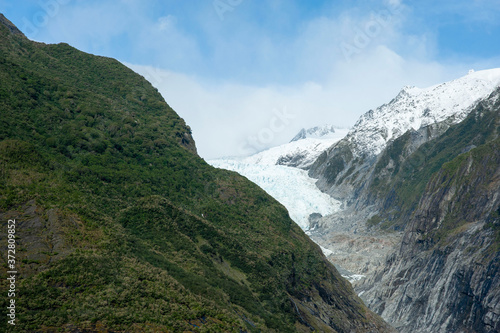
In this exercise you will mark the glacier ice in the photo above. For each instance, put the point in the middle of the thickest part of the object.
(292, 187)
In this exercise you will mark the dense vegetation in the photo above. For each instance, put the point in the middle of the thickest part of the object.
(139, 233)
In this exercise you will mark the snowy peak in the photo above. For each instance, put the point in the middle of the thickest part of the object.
(300, 153)
(317, 132)
(414, 108)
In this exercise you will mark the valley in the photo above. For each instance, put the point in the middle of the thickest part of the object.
(121, 226)
(346, 242)
(397, 221)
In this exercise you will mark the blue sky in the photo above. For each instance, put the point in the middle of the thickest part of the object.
(230, 66)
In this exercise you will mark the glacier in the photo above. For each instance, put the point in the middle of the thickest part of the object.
(290, 184)
(292, 187)
(295, 190)
(282, 171)
(303, 150)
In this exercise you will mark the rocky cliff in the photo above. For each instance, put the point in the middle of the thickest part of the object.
(419, 182)
(444, 276)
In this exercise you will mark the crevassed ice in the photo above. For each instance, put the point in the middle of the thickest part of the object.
(292, 187)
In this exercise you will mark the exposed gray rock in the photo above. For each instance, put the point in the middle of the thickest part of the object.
(450, 289)
(356, 248)
(12, 28)
(446, 275)
(443, 273)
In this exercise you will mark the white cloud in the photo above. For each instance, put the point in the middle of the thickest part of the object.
(320, 81)
(167, 23)
(226, 116)
(394, 2)
(234, 119)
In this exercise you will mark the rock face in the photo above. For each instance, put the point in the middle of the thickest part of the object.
(425, 168)
(445, 277)
(450, 289)
(40, 248)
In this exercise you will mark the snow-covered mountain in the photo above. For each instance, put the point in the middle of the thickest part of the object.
(414, 108)
(303, 150)
(367, 171)
(315, 132)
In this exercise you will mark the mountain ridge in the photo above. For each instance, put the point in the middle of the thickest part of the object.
(414, 108)
(122, 227)
(436, 185)
(449, 253)
(12, 28)
(347, 168)
(301, 151)
(314, 132)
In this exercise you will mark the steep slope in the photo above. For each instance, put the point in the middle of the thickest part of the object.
(445, 277)
(120, 226)
(444, 194)
(372, 171)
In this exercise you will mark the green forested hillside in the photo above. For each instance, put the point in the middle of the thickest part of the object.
(121, 226)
